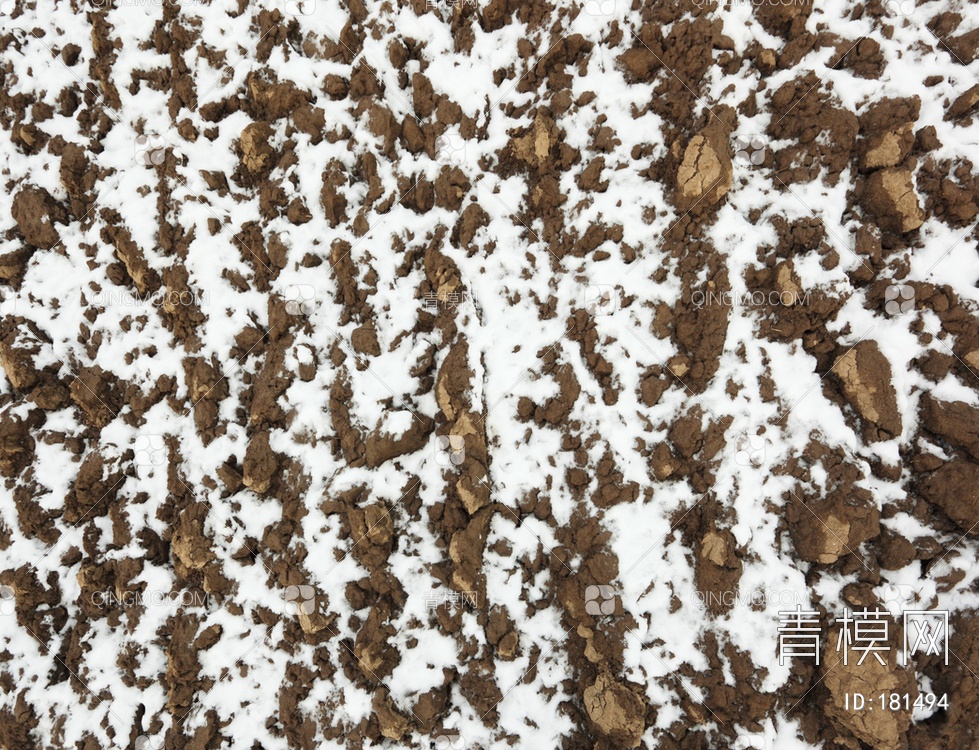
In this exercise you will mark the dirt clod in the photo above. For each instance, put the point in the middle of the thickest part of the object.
(955, 489)
(704, 174)
(616, 710)
(37, 214)
(864, 375)
(889, 196)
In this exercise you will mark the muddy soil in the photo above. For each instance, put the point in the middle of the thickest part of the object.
(356, 398)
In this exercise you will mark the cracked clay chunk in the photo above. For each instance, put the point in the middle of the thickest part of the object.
(257, 155)
(616, 710)
(887, 149)
(535, 146)
(889, 196)
(864, 375)
(881, 730)
(955, 489)
(704, 175)
(824, 530)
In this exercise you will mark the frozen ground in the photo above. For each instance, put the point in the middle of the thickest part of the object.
(486, 375)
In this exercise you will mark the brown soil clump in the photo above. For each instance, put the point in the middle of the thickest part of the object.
(864, 376)
(382, 446)
(824, 133)
(16, 445)
(887, 149)
(616, 710)
(964, 104)
(890, 198)
(36, 213)
(955, 489)
(956, 422)
(704, 175)
(261, 464)
(257, 155)
(824, 530)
